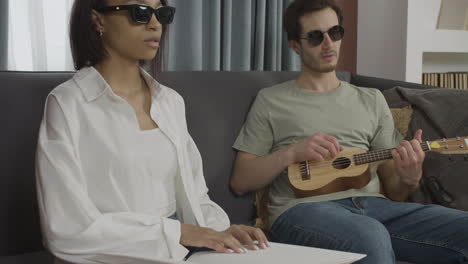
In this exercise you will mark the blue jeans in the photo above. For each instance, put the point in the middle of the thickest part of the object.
(380, 228)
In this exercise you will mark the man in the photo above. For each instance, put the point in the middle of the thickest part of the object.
(314, 117)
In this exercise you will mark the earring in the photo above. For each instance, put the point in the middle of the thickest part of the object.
(101, 33)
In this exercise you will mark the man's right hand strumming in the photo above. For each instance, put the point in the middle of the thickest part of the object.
(317, 147)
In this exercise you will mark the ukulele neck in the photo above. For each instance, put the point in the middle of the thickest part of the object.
(378, 155)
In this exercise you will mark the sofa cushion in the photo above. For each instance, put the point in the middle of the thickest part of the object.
(22, 106)
(440, 113)
(402, 117)
(383, 84)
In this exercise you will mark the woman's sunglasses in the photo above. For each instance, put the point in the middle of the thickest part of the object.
(142, 14)
(316, 37)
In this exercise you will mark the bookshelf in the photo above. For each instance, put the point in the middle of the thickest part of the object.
(400, 40)
(445, 69)
(454, 80)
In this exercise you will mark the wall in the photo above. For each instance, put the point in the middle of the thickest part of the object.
(424, 37)
(397, 38)
(381, 45)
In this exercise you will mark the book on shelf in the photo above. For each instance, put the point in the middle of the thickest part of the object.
(466, 19)
(453, 80)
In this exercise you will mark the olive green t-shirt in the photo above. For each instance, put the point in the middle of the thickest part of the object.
(285, 114)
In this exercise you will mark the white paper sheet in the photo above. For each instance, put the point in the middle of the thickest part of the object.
(278, 254)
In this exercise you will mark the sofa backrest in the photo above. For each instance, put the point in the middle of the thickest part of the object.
(383, 84)
(23, 96)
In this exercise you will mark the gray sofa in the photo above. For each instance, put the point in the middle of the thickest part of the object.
(217, 103)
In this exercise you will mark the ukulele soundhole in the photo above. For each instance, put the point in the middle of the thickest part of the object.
(341, 163)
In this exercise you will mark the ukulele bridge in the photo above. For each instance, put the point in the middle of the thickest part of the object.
(305, 170)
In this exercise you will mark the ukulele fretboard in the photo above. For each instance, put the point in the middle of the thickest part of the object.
(378, 155)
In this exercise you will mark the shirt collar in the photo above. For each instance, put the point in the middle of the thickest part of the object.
(93, 85)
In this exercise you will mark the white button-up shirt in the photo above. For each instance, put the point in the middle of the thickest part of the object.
(94, 193)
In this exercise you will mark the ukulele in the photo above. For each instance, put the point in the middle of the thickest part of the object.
(351, 168)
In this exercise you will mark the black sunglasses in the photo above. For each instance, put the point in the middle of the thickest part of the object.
(316, 37)
(142, 14)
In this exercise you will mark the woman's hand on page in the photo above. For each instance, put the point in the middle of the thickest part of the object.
(247, 235)
(223, 242)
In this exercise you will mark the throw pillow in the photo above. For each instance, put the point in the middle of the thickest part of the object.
(402, 119)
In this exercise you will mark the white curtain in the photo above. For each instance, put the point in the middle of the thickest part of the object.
(38, 35)
(208, 35)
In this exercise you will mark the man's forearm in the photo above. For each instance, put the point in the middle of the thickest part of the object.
(253, 174)
(394, 187)
(396, 190)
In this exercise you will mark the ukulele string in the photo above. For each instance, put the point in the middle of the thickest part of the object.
(366, 157)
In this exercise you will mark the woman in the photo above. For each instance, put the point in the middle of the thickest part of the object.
(117, 171)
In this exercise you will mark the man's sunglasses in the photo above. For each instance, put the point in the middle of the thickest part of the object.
(142, 14)
(316, 37)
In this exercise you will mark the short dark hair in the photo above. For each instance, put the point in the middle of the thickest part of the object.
(86, 44)
(299, 8)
